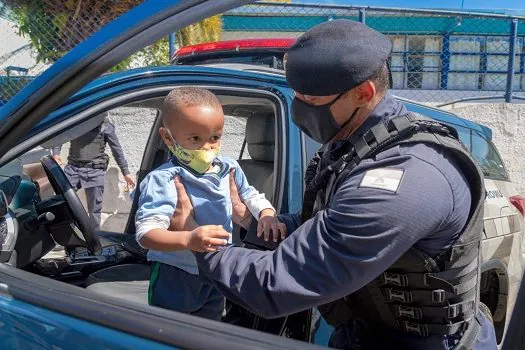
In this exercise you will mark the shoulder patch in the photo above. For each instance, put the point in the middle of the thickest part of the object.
(383, 178)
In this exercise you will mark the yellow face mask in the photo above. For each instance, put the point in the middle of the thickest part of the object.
(196, 159)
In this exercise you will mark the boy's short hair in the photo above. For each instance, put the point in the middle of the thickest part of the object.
(187, 96)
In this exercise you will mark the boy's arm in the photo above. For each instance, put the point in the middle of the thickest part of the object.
(254, 200)
(157, 203)
(202, 239)
(260, 207)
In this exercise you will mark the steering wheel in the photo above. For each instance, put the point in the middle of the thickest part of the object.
(62, 187)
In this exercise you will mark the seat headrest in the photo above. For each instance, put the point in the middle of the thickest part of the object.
(260, 137)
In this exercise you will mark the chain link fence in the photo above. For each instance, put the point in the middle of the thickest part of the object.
(438, 57)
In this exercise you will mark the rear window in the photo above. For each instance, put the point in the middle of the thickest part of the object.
(488, 158)
(267, 59)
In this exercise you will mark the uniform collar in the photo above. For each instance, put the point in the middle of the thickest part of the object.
(385, 110)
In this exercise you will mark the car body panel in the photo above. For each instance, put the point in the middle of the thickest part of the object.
(25, 326)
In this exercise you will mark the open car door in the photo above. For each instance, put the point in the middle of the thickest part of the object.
(38, 312)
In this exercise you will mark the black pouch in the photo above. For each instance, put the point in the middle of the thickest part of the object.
(251, 240)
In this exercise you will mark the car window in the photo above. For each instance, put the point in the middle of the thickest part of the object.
(124, 147)
(263, 59)
(464, 136)
(488, 158)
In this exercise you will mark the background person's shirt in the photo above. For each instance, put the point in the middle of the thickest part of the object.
(111, 139)
(210, 195)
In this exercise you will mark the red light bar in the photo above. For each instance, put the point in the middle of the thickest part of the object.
(230, 45)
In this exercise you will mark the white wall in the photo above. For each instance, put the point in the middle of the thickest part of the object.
(507, 122)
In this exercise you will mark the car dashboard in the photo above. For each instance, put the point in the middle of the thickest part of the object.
(28, 229)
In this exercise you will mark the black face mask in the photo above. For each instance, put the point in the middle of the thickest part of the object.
(317, 121)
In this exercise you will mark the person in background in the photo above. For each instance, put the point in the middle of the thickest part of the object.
(88, 162)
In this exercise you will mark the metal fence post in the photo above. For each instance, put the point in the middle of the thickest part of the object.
(512, 59)
(171, 40)
(362, 16)
(445, 61)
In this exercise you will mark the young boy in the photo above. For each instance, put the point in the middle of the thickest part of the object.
(193, 125)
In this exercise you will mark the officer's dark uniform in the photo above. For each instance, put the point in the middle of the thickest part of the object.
(389, 250)
(88, 162)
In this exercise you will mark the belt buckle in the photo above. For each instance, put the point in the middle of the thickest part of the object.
(453, 311)
(394, 279)
(408, 311)
(415, 328)
(399, 295)
(438, 296)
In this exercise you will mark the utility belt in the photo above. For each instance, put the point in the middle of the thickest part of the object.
(97, 163)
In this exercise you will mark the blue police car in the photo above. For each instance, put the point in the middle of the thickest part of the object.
(94, 296)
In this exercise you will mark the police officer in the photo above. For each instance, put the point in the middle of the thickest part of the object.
(387, 243)
(88, 162)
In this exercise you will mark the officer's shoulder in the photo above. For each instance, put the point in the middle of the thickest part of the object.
(421, 164)
(417, 153)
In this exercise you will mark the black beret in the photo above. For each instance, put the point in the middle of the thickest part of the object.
(334, 57)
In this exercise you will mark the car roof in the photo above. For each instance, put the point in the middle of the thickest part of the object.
(413, 106)
(269, 75)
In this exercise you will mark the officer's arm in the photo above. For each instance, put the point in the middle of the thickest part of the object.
(339, 250)
(116, 148)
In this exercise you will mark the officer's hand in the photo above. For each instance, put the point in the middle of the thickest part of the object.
(207, 238)
(268, 222)
(130, 183)
(182, 219)
(240, 213)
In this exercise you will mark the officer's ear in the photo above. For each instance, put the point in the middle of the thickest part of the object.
(365, 93)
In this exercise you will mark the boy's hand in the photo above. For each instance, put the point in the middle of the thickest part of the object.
(207, 238)
(268, 221)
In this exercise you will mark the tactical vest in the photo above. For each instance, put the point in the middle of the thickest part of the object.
(418, 294)
(88, 151)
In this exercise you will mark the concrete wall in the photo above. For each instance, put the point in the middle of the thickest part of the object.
(133, 126)
(507, 122)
